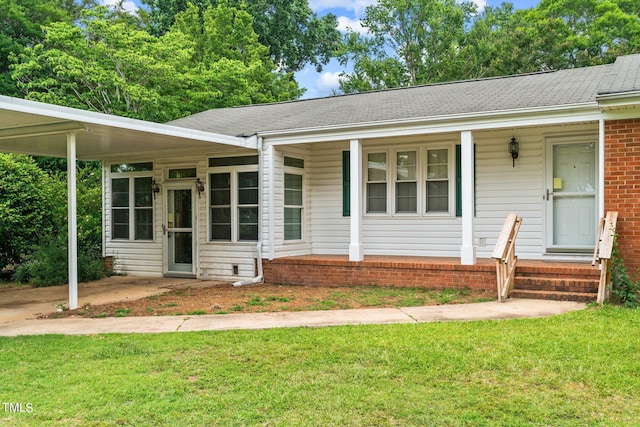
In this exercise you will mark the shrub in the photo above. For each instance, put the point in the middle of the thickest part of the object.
(47, 265)
(28, 200)
(624, 290)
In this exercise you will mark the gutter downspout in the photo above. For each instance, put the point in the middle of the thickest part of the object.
(260, 277)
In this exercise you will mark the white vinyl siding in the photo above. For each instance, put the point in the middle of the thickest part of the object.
(134, 257)
(274, 201)
(214, 260)
(499, 190)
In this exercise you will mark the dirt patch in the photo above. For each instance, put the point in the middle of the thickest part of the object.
(222, 298)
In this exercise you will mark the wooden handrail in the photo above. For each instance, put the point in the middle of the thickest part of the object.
(602, 253)
(505, 255)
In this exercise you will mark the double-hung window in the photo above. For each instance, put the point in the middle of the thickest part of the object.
(293, 198)
(416, 180)
(437, 182)
(132, 201)
(377, 182)
(406, 182)
(234, 199)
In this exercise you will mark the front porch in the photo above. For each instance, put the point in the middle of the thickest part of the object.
(569, 281)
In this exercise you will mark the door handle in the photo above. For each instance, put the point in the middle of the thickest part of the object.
(164, 229)
(549, 194)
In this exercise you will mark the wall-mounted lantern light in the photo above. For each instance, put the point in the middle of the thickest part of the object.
(514, 148)
(155, 188)
(199, 187)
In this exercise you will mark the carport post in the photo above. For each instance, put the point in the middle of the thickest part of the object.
(73, 221)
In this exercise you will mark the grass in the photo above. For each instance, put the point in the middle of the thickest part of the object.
(122, 312)
(577, 369)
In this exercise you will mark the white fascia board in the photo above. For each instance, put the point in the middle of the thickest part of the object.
(94, 118)
(620, 106)
(586, 112)
(624, 114)
(614, 97)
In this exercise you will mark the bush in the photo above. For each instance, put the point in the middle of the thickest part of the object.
(47, 265)
(28, 200)
(624, 290)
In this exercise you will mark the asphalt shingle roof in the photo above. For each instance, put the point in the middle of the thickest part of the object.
(527, 91)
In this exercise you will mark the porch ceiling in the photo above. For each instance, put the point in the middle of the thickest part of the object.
(40, 129)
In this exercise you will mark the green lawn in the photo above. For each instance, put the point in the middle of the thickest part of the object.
(577, 369)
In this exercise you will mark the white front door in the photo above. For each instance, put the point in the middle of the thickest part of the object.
(179, 227)
(571, 196)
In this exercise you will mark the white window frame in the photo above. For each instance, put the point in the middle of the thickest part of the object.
(421, 179)
(292, 170)
(131, 176)
(451, 177)
(396, 181)
(388, 182)
(233, 171)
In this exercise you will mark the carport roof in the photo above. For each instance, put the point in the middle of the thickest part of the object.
(36, 128)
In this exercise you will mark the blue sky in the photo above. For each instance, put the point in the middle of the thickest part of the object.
(348, 12)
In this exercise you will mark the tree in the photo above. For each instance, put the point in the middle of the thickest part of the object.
(27, 203)
(20, 25)
(409, 42)
(598, 30)
(295, 35)
(506, 42)
(110, 65)
(413, 42)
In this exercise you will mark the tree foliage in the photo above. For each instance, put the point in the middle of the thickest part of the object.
(424, 41)
(27, 203)
(112, 66)
(21, 26)
(294, 34)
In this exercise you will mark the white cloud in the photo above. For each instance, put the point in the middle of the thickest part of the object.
(357, 6)
(128, 5)
(345, 23)
(328, 81)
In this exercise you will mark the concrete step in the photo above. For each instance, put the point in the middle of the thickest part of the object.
(554, 295)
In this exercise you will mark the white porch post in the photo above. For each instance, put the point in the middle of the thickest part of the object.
(468, 250)
(73, 222)
(355, 164)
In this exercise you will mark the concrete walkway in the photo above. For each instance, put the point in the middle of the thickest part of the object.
(513, 308)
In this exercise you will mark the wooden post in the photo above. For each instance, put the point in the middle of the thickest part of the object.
(505, 255)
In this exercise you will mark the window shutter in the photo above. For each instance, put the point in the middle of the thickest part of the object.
(459, 179)
(346, 184)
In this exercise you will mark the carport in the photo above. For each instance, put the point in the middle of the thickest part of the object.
(35, 128)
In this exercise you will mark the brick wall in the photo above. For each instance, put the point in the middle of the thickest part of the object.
(427, 274)
(622, 186)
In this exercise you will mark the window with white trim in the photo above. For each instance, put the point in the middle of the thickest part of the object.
(376, 182)
(406, 182)
(437, 181)
(132, 201)
(293, 198)
(412, 180)
(234, 199)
